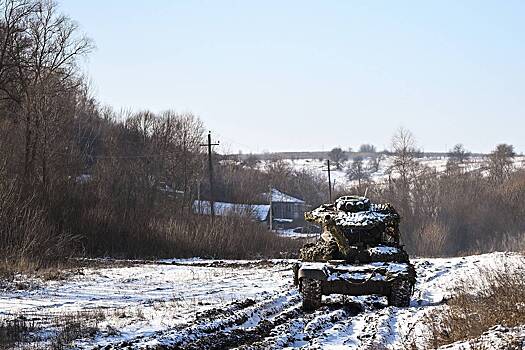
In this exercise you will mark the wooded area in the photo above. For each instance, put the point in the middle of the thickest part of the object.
(79, 179)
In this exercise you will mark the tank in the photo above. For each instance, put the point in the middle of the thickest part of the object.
(359, 253)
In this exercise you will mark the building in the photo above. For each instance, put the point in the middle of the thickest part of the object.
(259, 212)
(286, 211)
(285, 207)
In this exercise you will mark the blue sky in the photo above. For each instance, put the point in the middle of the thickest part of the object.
(312, 75)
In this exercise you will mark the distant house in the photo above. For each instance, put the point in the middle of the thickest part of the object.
(259, 212)
(284, 206)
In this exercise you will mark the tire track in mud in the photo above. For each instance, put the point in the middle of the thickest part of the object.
(268, 324)
(221, 328)
(301, 330)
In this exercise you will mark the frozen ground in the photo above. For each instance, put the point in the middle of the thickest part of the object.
(207, 304)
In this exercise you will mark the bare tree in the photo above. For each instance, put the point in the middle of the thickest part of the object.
(251, 161)
(367, 148)
(405, 153)
(357, 171)
(457, 157)
(500, 162)
(39, 77)
(375, 162)
(337, 156)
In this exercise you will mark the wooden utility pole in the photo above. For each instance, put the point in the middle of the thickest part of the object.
(210, 171)
(271, 214)
(199, 197)
(329, 180)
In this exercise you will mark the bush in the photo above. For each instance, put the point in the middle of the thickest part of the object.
(27, 238)
(501, 301)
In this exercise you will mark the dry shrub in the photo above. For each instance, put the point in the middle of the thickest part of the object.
(15, 330)
(460, 213)
(228, 237)
(431, 240)
(73, 326)
(27, 239)
(132, 233)
(508, 242)
(500, 301)
(61, 330)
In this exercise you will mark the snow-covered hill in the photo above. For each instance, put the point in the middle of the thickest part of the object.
(199, 304)
(339, 176)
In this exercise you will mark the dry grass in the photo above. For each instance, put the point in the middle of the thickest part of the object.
(27, 239)
(15, 331)
(60, 330)
(501, 301)
(228, 237)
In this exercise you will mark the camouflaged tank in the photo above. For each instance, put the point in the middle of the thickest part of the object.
(358, 254)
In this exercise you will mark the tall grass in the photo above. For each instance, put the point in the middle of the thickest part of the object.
(500, 301)
(27, 239)
(228, 237)
(225, 237)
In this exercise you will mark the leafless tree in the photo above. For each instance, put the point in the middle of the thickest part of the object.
(375, 162)
(457, 157)
(500, 162)
(358, 171)
(404, 155)
(367, 148)
(39, 77)
(337, 156)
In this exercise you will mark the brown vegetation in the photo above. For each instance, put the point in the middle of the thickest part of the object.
(62, 330)
(79, 179)
(467, 315)
(458, 211)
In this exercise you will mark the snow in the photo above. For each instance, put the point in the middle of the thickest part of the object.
(258, 211)
(347, 219)
(290, 233)
(178, 302)
(339, 176)
(376, 271)
(281, 197)
(383, 250)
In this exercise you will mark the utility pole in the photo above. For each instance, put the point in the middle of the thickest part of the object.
(210, 171)
(329, 180)
(199, 197)
(271, 214)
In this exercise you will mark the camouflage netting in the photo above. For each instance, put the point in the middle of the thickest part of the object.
(355, 230)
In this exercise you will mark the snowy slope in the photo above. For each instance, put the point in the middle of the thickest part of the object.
(339, 177)
(204, 304)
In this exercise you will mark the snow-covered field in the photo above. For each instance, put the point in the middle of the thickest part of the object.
(339, 176)
(205, 304)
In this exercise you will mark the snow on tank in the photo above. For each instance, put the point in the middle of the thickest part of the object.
(353, 211)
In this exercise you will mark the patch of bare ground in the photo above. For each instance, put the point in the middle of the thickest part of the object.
(468, 316)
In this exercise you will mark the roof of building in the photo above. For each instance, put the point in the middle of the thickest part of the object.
(281, 197)
(257, 211)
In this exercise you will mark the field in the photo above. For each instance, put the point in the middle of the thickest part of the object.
(340, 178)
(212, 304)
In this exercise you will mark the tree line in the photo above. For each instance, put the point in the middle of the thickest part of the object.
(79, 179)
(461, 210)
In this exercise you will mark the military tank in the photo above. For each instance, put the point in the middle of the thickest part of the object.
(359, 253)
